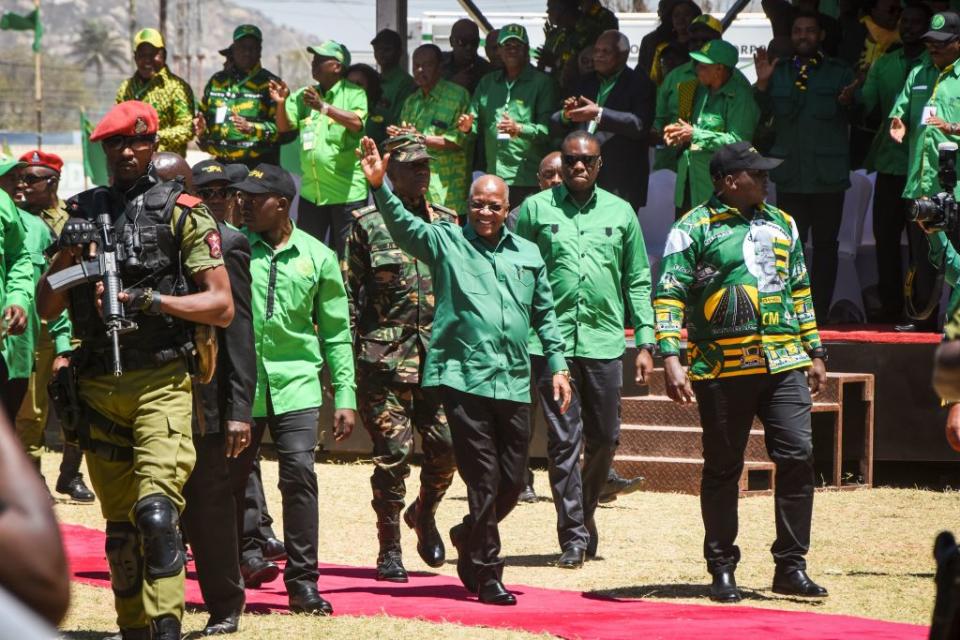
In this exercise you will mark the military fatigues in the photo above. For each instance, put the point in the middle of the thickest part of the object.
(391, 309)
(141, 449)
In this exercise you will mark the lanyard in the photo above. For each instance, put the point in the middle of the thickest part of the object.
(936, 85)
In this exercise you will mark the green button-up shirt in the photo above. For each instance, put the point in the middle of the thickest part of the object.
(530, 100)
(328, 160)
(811, 128)
(172, 98)
(16, 266)
(743, 287)
(879, 92)
(395, 84)
(927, 89)
(300, 319)
(719, 117)
(435, 114)
(487, 298)
(597, 263)
(247, 95)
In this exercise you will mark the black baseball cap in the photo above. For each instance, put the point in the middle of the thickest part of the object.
(208, 171)
(740, 156)
(268, 178)
(237, 172)
(944, 27)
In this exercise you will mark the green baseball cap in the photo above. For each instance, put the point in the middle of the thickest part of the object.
(245, 30)
(331, 49)
(7, 163)
(717, 52)
(407, 147)
(513, 32)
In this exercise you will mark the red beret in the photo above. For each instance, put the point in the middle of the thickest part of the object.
(39, 158)
(130, 118)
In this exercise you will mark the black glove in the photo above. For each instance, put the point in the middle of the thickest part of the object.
(143, 300)
(77, 231)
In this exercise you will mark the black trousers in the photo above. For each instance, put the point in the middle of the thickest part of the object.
(490, 443)
(820, 215)
(727, 408)
(295, 437)
(329, 223)
(256, 524)
(591, 423)
(12, 392)
(209, 519)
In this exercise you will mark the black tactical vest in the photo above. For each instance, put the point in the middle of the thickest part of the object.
(151, 258)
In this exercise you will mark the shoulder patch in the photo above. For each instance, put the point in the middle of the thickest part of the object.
(214, 243)
(186, 200)
(362, 211)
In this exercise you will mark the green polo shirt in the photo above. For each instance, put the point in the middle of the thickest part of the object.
(300, 319)
(487, 298)
(16, 266)
(927, 87)
(719, 117)
(435, 114)
(530, 100)
(395, 84)
(879, 92)
(597, 265)
(328, 160)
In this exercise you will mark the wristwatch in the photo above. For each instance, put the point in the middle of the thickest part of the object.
(649, 348)
(820, 352)
(563, 372)
(599, 115)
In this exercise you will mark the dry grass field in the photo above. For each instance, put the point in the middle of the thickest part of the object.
(871, 549)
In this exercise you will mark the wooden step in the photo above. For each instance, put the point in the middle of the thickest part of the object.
(682, 475)
(661, 410)
(678, 442)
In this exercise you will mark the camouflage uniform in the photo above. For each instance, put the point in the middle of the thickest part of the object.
(391, 311)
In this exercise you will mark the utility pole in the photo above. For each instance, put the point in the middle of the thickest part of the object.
(132, 27)
(38, 86)
(163, 18)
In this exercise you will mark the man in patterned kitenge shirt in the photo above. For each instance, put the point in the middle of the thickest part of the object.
(169, 94)
(432, 111)
(236, 119)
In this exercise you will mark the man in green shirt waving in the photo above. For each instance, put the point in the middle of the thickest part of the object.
(300, 319)
(597, 264)
(330, 117)
(490, 287)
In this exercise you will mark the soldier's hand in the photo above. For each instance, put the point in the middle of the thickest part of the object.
(897, 130)
(59, 363)
(678, 384)
(343, 421)
(644, 366)
(14, 320)
(199, 125)
(374, 167)
(279, 91)
(561, 391)
(237, 436)
(816, 376)
(465, 122)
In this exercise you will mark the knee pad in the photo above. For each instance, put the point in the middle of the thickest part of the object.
(157, 520)
(123, 555)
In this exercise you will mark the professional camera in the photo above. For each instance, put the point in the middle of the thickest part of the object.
(939, 211)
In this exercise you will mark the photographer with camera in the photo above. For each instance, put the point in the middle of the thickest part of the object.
(925, 115)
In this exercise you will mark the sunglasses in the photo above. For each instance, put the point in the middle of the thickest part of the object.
(571, 160)
(137, 143)
(213, 192)
(32, 180)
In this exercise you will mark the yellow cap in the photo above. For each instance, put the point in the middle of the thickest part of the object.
(148, 36)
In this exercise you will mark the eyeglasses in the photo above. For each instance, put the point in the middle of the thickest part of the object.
(137, 143)
(571, 160)
(213, 193)
(32, 180)
(481, 206)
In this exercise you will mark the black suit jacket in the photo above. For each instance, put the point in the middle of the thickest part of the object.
(623, 133)
(229, 396)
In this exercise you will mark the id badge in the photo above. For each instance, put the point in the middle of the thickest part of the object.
(221, 114)
(928, 112)
(308, 140)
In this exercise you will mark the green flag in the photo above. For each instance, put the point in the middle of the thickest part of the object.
(5, 148)
(94, 160)
(29, 22)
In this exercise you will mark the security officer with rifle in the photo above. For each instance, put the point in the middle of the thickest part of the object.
(139, 265)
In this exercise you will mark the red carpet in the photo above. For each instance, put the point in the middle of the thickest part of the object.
(353, 591)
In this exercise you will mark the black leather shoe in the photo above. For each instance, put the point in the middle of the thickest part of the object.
(493, 592)
(618, 486)
(572, 558)
(222, 625)
(274, 550)
(458, 537)
(308, 600)
(429, 541)
(528, 495)
(390, 567)
(256, 571)
(165, 628)
(724, 587)
(797, 583)
(594, 541)
(75, 488)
